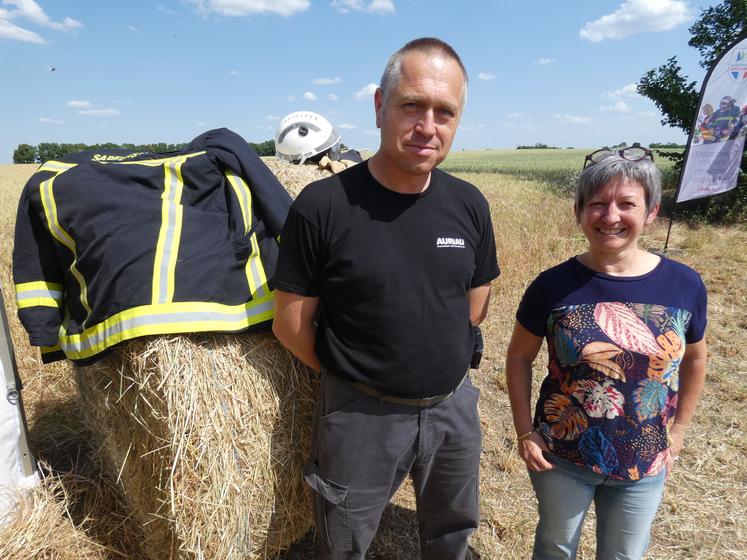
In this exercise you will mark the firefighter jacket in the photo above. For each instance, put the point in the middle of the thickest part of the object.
(115, 245)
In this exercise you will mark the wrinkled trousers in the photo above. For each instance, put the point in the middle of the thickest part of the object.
(362, 450)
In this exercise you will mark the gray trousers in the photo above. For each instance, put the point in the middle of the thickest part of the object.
(362, 450)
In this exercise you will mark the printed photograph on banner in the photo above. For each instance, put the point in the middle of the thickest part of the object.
(714, 155)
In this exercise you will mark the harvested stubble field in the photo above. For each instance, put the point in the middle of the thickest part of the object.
(704, 513)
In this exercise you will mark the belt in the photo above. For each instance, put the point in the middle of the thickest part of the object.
(423, 402)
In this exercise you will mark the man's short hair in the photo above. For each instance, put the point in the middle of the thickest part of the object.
(425, 45)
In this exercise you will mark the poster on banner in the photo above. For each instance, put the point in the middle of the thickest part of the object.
(716, 143)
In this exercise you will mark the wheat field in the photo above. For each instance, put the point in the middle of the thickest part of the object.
(704, 512)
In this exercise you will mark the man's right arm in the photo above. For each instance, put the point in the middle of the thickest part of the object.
(294, 326)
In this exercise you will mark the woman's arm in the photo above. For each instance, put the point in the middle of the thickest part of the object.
(691, 379)
(522, 350)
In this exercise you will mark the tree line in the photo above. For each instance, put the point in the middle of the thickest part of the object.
(26, 153)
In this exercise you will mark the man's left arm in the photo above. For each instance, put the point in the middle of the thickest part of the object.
(478, 298)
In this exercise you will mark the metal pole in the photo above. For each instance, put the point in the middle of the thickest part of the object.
(669, 229)
(13, 385)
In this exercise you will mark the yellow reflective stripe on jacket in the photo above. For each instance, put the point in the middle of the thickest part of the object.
(46, 192)
(169, 318)
(155, 162)
(42, 294)
(255, 271)
(244, 195)
(56, 166)
(167, 248)
(50, 349)
(172, 212)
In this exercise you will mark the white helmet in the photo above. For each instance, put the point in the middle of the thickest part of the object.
(303, 135)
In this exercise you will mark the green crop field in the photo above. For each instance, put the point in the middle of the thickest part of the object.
(558, 167)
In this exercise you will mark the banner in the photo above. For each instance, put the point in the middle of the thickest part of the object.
(716, 143)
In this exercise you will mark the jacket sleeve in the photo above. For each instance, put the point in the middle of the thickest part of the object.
(270, 198)
(37, 273)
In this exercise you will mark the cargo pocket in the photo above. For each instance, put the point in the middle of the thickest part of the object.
(331, 508)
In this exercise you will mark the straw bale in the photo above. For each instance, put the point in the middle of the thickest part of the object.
(41, 528)
(295, 177)
(207, 435)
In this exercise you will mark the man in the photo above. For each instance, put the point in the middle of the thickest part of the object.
(395, 258)
(724, 119)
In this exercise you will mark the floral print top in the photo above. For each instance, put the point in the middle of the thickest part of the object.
(614, 345)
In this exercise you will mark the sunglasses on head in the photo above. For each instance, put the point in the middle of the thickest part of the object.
(631, 153)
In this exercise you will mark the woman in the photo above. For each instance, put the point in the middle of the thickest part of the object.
(703, 129)
(625, 335)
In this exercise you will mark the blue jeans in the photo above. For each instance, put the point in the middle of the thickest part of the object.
(625, 510)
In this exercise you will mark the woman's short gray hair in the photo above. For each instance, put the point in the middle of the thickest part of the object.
(597, 175)
(426, 45)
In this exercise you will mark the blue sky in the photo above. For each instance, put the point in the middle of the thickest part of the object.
(560, 72)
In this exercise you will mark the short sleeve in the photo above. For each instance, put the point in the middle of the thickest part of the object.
(533, 308)
(696, 328)
(298, 269)
(486, 261)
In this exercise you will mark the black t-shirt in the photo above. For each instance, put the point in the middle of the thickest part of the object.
(392, 271)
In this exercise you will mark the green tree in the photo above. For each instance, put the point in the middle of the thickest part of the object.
(24, 153)
(676, 97)
(674, 94)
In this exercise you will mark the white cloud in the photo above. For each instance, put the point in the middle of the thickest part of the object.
(133, 29)
(381, 7)
(485, 76)
(201, 123)
(165, 10)
(326, 81)
(617, 107)
(366, 93)
(309, 96)
(514, 116)
(636, 16)
(346, 126)
(648, 114)
(272, 118)
(571, 119)
(79, 104)
(45, 120)
(291, 98)
(14, 33)
(547, 61)
(333, 97)
(243, 8)
(100, 112)
(29, 9)
(630, 90)
(233, 72)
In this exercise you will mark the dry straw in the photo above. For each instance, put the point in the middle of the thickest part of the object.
(41, 528)
(207, 435)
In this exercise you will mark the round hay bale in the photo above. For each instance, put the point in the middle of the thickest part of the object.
(207, 435)
(41, 528)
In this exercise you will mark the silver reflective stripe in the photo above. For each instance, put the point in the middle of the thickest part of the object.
(170, 230)
(31, 294)
(166, 319)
